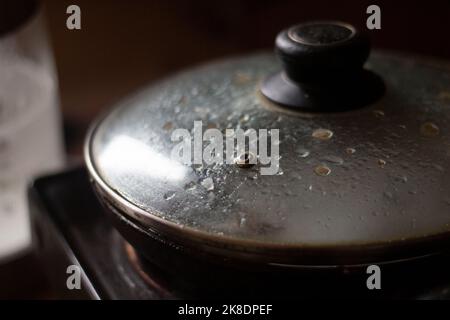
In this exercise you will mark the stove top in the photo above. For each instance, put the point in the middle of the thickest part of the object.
(70, 228)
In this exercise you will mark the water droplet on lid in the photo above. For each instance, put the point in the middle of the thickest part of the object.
(334, 159)
(322, 170)
(244, 118)
(194, 91)
(208, 184)
(322, 134)
(182, 100)
(169, 195)
(350, 150)
(403, 179)
(381, 163)
(254, 176)
(245, 160)
(242, 78)
(378, 113)
(211, 196)
(190, 186)
(168, 126)
(388, 195)
(303, 153)
(429, 129)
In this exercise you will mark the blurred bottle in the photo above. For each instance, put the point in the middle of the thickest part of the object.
(30, 132)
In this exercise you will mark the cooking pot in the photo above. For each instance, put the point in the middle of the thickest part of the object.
(361, 176)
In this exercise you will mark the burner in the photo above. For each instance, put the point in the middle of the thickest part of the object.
(149, 274)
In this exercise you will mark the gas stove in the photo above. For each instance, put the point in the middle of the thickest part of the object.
(70, 228)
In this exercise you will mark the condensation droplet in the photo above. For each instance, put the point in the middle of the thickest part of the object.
(378, 113)
(182, 100)
(208, 184)
(245, 160)
(168, 126)
(388, 195)
(322, 170)
(194, 91)
(242, 78)
(190, 186)
(211, 196)
(403, 179)
(350, 150)
(429, 129)
(381, 163)
(303, 153)
(169, 195)
(333, 159)
(244, 118)
(322, 134)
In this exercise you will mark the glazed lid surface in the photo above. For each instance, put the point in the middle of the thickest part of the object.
(380, 174)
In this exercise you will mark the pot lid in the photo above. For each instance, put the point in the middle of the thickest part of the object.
(374, 176)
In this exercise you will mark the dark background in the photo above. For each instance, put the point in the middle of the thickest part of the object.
(126, 44)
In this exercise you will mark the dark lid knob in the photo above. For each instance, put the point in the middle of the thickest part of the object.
(323, 69)
(318, 51)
